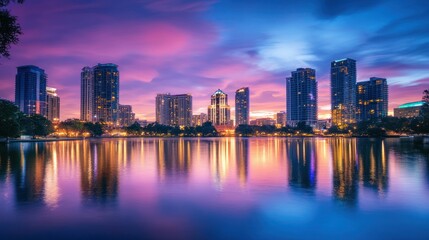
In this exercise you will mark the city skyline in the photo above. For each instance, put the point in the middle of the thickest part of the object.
(185, 46)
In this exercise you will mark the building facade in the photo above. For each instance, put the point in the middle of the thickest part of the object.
(99, 101)
(126, 115)
(30, 90)
(281, 118)
(198, 120)
(242, 106)
(408, 110)
(263, 122)
(301, 97)
(106, 93)
(174, 110)
(371, 99)
(52, 105)
(343, 92)
(219, 110)
(87, 94)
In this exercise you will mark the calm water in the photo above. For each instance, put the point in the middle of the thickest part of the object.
(261, 188)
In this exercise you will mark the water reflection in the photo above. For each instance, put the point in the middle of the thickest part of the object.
(302, 163)
(373, 162)
(174, 159)
(44, 174)
(99, 170)
(242, 159)
(345, 170)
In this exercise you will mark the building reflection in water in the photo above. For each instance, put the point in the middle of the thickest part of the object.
(302, 163)
(99, 167)
(373, 164)
(345, 170)
(174, 159)
(219, 151)
(242, 159)
(26, 163)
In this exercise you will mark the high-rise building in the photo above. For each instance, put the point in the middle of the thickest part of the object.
(52, 104)
(343, 92)
(198, 120)
(242, 106)
(87, 94)
(301, 97)
(281, 118)
(126, 115)
(30, 90)
(106, 93)
(174, 110)
(219, 110)
(371, 99)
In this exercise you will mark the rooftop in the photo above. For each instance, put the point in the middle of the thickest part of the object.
(218, 92)
(411, 104)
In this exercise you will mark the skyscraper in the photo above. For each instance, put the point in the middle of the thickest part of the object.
(52, 104)
(301, 97)
(126, 116)
(219, 110)
(343, 92)
(174, 110)
(372, 99)
(242, 106)
(30, 90)
(87, 94)
(106, 93)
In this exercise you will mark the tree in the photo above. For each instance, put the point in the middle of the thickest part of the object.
(9, 28)
(39, 126)
(244, 130)
(207, 129)
(72, 127)
(95, 129)
(9, 119)
(304, 128)
(134, 128)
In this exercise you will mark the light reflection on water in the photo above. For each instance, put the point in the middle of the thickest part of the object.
(215, 188)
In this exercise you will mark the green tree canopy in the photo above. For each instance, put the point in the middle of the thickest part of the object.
(9, 119)
(9, 28)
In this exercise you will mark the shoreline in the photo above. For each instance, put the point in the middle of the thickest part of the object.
(14, 140)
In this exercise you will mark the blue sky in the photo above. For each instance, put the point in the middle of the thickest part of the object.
(196, 47)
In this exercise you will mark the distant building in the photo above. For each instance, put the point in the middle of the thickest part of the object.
(100, 94)
(343, 92)
(301, 97)
(219, 110)
(30, 90)
(143, 122)
(408, 110)
(198, 120)
(281, 118)
(174, 110)
(86, 94)
(372, 99)
(263, 122)
(52, 104)
(242, 106)
(126, 115)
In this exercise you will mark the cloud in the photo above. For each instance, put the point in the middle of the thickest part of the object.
(333, 8)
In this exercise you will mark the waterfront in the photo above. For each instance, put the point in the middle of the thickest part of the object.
(215, 188)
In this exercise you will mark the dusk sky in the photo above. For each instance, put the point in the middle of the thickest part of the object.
(196, 47)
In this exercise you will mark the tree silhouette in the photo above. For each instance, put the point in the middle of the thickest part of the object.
(9, 28)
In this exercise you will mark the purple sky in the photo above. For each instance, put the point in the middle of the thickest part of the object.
(196, 47)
